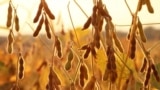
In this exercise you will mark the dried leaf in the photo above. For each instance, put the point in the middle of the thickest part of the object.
(87, 24)
(38, 27)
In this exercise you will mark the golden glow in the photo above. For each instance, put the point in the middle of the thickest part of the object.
(117, 9)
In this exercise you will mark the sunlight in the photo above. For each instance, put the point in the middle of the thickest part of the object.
(117, 8)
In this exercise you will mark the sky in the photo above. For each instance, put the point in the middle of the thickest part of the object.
(27, 9)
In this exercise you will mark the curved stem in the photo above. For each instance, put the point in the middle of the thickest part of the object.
(128, 8)
(81, 8)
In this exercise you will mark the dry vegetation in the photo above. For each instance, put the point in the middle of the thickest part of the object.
(81, 59)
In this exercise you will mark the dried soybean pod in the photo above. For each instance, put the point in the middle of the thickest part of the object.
(113, 76)
(10, 48)
(144, 65)
(9, 15)
(69, 60)
(155, 72)
(133, 48)
(47, 28)
(149, 6)
(141, 31)
(147, 76)
(140, 6)
(85, 72)
(38, 27)
(70, 55)
(10, 38)
(10, 42)
(81, 79)
(84, 47)
(21, 67)
(38, 13)
(87, 52)
(87, 24)
(93, 51)
(91, 84)
(58, 46)
(106, 75)
(47, 10)
(117, 42)
(16, 23)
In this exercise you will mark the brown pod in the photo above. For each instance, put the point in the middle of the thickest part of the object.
(10, 38)
(104, 13)
(117, 42)
(144, 65)
(47, 28)
(132, 48)
(149, 6)
(36, 18)
(58, 47)
(83, 69)
(10, 48)
(91, 84)
(84, 47)
(113, 76)
(155, 72)
(87, 52)
(141, 31)
(47, 10)
(87, 24)
(93, 52)
(9, 15)
(140, 5)
(106, 75)
(81, 79)
(16, 23)
(38, 27)
(100, 25)
(21, 67)
(147, 76)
